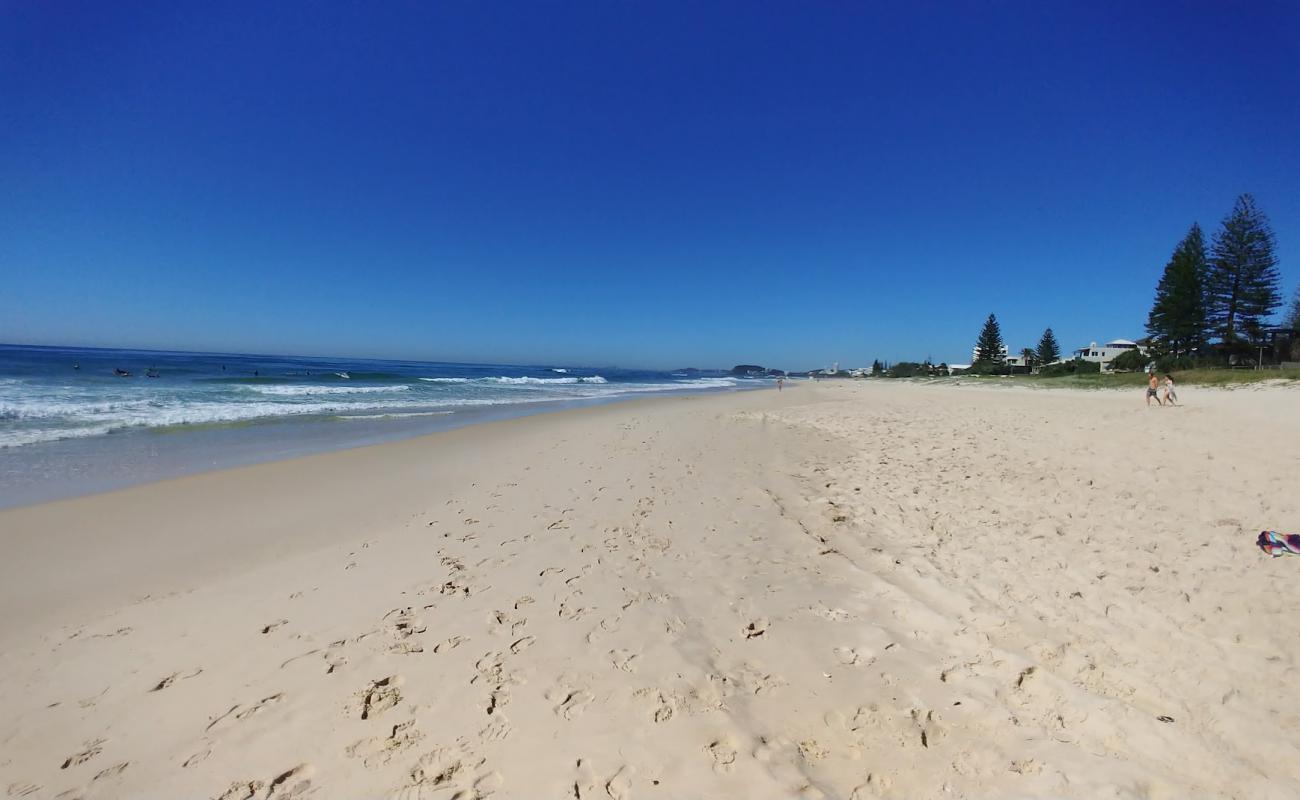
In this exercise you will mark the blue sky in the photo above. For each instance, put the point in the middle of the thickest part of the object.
(643, 184)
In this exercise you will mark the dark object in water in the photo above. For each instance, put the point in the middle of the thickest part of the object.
(151, 373)
(121, 373)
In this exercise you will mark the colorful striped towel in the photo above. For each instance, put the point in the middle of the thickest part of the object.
(1279, 544)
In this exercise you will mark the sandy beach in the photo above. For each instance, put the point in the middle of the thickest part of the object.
(843, 590)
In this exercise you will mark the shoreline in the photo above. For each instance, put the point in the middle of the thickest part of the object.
(78, 467)
(860, 591)
(247, 498)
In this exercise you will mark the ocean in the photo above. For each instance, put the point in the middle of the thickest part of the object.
(80, 420)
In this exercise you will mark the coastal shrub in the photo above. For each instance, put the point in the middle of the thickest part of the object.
(908, 369)
(1071, 367)
(1175, 363)
(986, 368)
(1130, 361)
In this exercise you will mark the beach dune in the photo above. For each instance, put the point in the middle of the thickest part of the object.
(851, 590)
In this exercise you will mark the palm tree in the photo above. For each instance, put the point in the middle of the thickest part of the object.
(1028, 356)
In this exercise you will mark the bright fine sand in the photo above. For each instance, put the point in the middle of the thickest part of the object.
(845, 590)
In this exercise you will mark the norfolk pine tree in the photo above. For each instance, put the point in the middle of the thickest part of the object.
(1177, 319)
(1048, 350)
(988, 348)
(1242, 280)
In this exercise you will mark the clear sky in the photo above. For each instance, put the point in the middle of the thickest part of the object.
(642, 184)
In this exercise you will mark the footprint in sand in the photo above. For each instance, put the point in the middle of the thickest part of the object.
(756, 628)
(238, 712)
(522, 644)
(448, 644)
(380, 696)
(377, 751)
(112, 772)
(853, 657)
(295, 782)
(447, 772)
(570, 703)
(242, 790)
(273, 625)
(724, 755)
(92, 749)
(197, 758)
(495, 731)
(588, 783)
(176, 676)
(624, 660)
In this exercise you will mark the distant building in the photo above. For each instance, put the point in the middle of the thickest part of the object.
(1016, 360)
(1007, 358)
(1105, 353)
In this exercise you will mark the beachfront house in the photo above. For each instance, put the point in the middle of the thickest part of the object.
(1104, 354)
(1008, 358)
(1016, 359)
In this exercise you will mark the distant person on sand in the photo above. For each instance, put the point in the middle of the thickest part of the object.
(1170, 394)
(780, 383)
(1153, 385)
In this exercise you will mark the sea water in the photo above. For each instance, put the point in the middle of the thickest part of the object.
(77, 420)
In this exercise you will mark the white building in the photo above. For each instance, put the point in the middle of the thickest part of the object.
(1104, 354)
(1011, 360)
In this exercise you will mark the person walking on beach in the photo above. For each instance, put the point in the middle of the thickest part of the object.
(1153, 385)
(1170, 395)
(780, 384)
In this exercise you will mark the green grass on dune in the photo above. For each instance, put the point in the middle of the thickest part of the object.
(1192, 377)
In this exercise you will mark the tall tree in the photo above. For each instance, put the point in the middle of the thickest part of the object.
(988, 348)
(1242, 281)
(877, 369)
(1293, 316)
(1028, 357)
(1048, 350)
(1177, 322)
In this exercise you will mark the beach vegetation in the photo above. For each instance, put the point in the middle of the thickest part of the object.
(1242, 281)
(1130, 361)
(989, 349)
(1177, 322)
(1048, 350)
(1292, 319)
(1074, 366)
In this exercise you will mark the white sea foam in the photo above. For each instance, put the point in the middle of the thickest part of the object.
(395, 415)
(545, 381)
(30, 414)
(560, 370)
(76, 420)
(297, 390)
